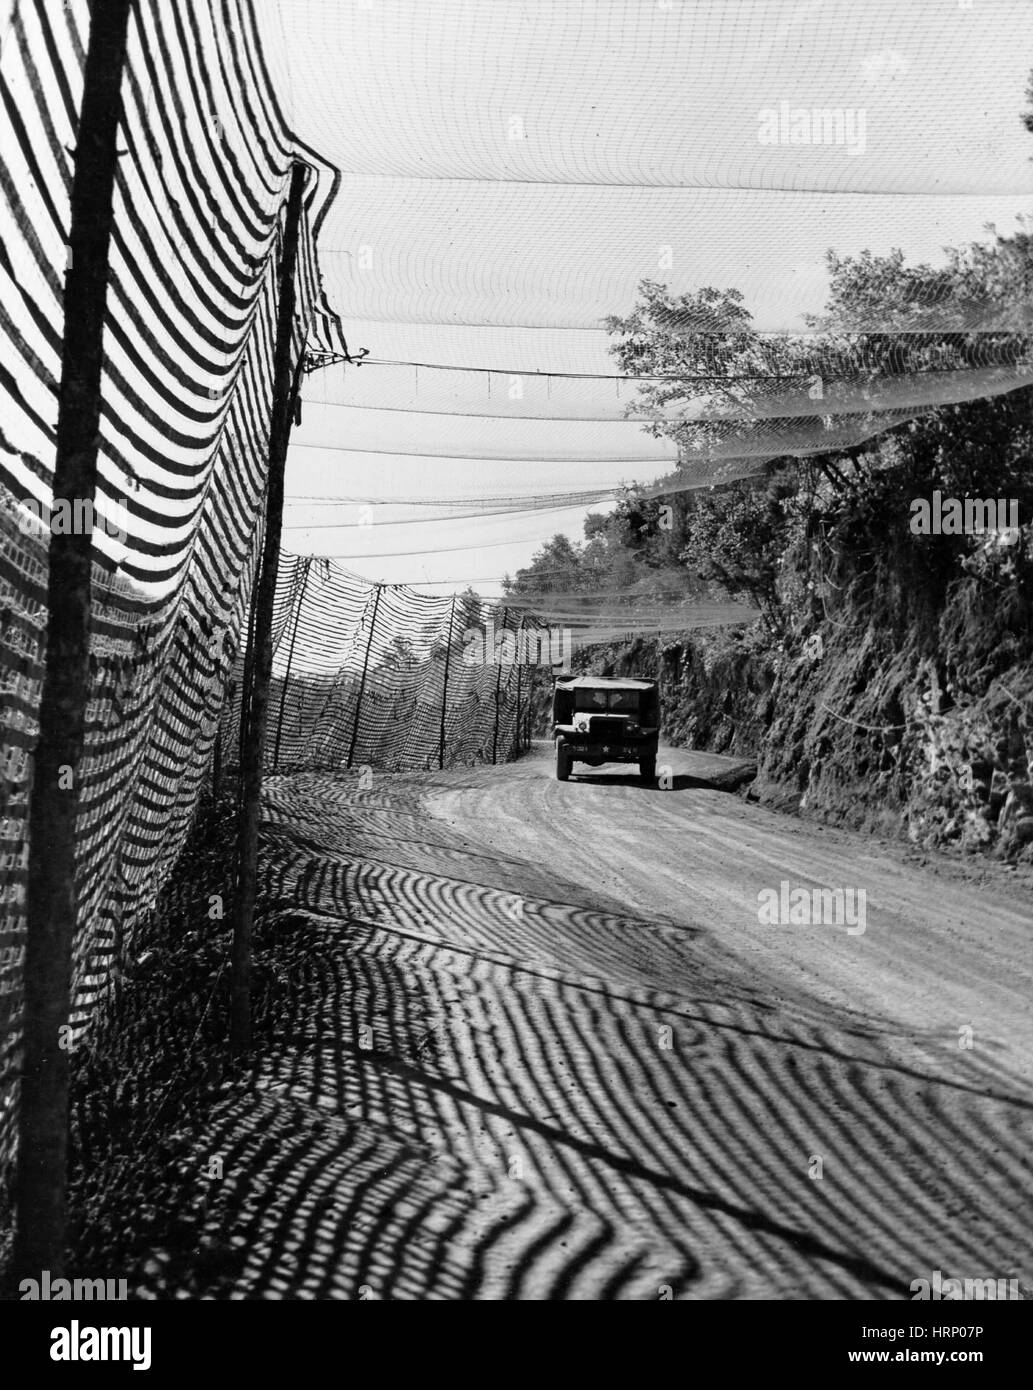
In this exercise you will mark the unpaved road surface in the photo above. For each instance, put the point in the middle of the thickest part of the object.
(546, 1049)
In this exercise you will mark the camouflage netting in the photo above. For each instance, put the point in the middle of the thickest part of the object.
(380, 675)
(199, 197)
(585, 147)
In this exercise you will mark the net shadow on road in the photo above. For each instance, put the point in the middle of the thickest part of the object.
(470, 1089)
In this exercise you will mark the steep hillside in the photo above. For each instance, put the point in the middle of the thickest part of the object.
(889, 710)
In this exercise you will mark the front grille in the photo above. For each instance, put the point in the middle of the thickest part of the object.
(607, 727)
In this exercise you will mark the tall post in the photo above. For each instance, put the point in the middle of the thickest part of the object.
(444, 685)
(518, 697)
(306, 565)
(362, 682)
(498, 681)
(529, 705)
(51, 904)
(247, 678)
(285, 388)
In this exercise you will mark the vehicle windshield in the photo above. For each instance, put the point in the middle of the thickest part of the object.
(620, 701)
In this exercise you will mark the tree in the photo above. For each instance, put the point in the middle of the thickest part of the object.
(735, 541)
(555, 568)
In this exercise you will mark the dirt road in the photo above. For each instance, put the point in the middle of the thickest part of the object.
(550, 1051)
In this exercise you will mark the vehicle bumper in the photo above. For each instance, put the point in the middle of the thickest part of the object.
(618, 751)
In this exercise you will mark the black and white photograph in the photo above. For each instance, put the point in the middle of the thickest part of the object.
(516, 651)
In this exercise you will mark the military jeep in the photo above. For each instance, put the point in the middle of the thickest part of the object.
(605, 719)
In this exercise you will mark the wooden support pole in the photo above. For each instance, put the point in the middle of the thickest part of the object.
(498, 681)
(285, 388)
(444, 685)
(51, 901)
(247, 676)
(362, 682)
(306, 565)
(532, 672)
(529, 706)
(518, 698)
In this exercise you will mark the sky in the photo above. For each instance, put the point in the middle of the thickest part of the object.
(511, 170)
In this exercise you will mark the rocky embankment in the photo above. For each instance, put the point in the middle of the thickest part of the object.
(882, 708)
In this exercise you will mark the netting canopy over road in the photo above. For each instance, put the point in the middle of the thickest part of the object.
(489, 184)
(512, 171)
